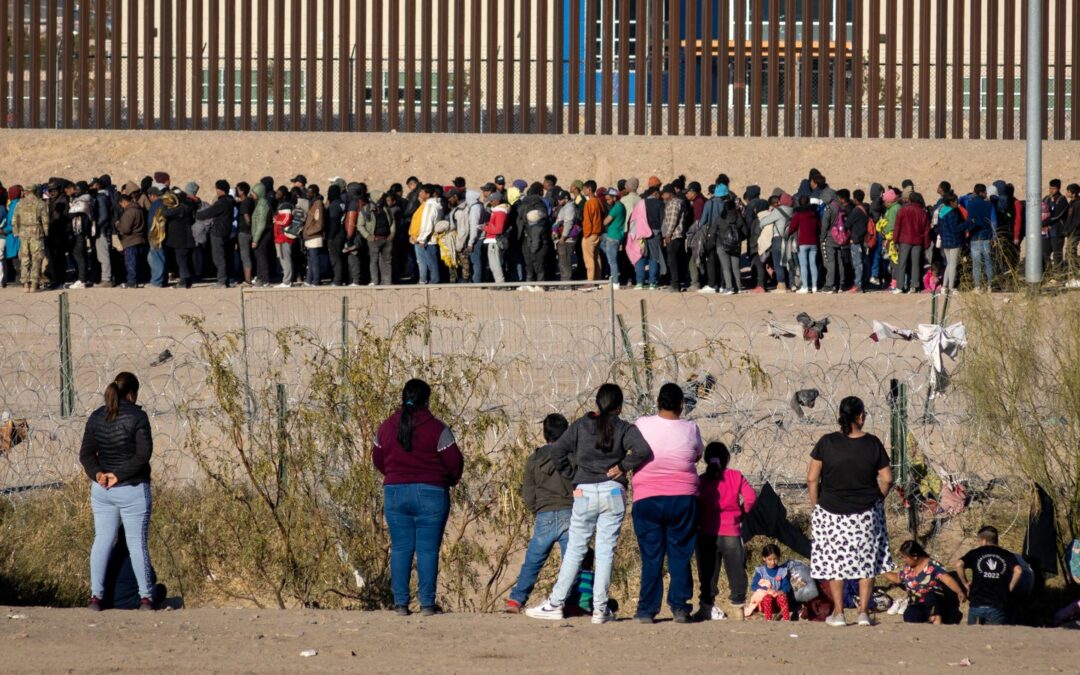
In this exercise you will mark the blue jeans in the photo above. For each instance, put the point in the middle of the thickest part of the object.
(477, 260)
(598, 508)
(986, 616)
(552, 527)
(156, 258)
(665, 526)
(610, 247)
(314, 266)
(427, 257)
(131, 264)
(875, 258)
(416, 516)
(639, 270)
(777, 252)
(130, 505)
(856, 263)
(980, 260)
(808, 266)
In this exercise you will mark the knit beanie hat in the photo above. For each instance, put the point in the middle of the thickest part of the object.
(14, 192)
(890, 196)
(191, 189)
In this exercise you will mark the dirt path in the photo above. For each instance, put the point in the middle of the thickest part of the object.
(236, 640)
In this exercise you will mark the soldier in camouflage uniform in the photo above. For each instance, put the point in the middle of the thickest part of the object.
(31, 224)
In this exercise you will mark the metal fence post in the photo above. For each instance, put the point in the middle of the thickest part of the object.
(67, 378)
(898, 434)
(249, 399)
(282, 417)
(611, 300)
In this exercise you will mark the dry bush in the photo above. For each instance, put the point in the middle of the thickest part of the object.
(1021, 378)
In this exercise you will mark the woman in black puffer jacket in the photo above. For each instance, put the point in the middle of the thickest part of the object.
(115, 454)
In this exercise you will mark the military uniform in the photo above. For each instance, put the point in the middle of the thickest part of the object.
(31, 225)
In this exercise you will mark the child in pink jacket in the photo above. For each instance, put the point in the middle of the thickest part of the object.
(724, 497)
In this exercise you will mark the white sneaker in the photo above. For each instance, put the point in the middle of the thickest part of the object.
(547, 611)
(898, 607)
(864, 620)
(284, 285)
(728, 291)
(523, 288)
(897, 291)
(834, 620)
(707, 289)
(817, 290)
(77, 285)
(803, 291)
(874, 281)
(717, 614)
(616, 286)
(604, 615)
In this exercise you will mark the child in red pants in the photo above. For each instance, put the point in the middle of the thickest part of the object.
(772, 584)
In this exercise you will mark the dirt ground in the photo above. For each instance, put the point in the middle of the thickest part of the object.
(381, 159)
(212, 640)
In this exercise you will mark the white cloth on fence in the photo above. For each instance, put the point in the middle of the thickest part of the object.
(884, 330)
(778, 331)
(942, 340)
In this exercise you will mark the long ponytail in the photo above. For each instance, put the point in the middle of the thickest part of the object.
(125, 384)
(609, 400)
(414, 396)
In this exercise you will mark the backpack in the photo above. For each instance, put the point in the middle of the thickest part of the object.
(839, 231)
(871, 229)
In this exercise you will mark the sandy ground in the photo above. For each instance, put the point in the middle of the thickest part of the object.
(381, 159)
(205, 640)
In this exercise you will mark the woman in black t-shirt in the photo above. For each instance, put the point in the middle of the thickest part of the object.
(848, 479)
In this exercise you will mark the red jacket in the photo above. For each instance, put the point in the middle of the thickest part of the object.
(282, 219)
(912, 226)
(496, 223)
(433, 460)
(808, 225)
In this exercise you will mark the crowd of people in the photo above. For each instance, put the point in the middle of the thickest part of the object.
(677, 235)
(577, 484)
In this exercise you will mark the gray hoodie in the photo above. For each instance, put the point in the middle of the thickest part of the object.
(590, 464)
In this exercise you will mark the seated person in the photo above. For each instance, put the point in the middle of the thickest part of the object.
(995, 574)
(580, 600)
(934, 596)
(771, 585)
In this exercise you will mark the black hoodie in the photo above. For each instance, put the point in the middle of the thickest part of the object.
(877, 201)
(754, 205)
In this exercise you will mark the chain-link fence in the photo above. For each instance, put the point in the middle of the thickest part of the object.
(746, 371)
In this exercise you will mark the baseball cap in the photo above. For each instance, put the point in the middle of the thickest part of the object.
(500, 180)
(299, 178)
(488, 187)
(496, 196)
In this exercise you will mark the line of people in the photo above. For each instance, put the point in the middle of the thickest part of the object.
(675, 235)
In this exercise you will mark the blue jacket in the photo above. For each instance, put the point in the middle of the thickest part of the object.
(951, 227)
(982, 218)
(778, 576)
(11, 242)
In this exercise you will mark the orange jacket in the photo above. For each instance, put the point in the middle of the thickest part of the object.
(593, 218)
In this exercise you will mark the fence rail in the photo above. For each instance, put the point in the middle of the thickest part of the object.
(844, 68)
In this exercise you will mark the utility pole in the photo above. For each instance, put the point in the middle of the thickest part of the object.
(1033, 271)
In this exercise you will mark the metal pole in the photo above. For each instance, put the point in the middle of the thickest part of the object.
(1033, 261)
(611, 300)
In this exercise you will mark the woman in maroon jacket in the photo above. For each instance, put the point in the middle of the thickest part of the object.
(807, 225)
(912, 233)
(419, 460)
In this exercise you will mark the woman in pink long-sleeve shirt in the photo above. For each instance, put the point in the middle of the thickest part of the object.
(666, 506)
(725, 496)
